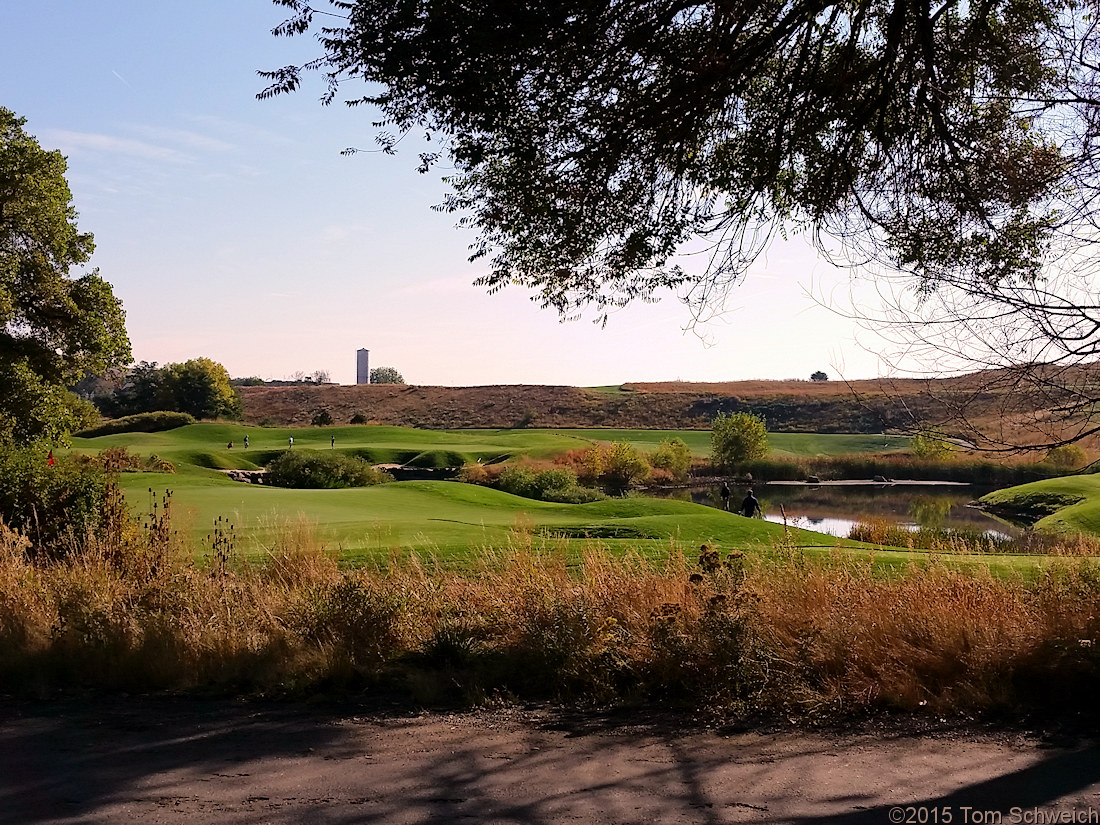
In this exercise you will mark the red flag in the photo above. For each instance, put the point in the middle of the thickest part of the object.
(49, 459)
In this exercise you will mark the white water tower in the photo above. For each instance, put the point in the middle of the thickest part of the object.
(362, 366)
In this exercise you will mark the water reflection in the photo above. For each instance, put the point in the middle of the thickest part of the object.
(834, 509)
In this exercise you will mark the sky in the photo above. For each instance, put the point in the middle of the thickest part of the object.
(234, 229)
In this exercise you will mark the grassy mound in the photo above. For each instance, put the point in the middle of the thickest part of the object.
(150, 422)
(1070, 503)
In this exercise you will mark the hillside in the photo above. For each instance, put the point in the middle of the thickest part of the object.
(790, 406)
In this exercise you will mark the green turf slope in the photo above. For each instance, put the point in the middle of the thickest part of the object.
(1067, 504)
(445, 518)
(206, 445)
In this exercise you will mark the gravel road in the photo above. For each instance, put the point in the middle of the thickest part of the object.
(189, 761)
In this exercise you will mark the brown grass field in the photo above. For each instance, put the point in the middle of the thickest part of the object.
(995, 408)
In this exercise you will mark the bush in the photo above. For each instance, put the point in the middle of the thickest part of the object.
(736, 439)
(121, 460)
(50, 503)
(674, 456)
(557, 484)
(519, 480)
(308, 470)
(322, 418)
(1067, 457)
(624, 465)
(150, 422)
(358, 418)
(616, 466)
(587, 463)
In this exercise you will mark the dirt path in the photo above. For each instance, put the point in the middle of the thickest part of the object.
(194, 762)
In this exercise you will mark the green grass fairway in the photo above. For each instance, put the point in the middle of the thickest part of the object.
(451, 523)
(1074, 500)
(781, 444)
(206, 445)
(444, 520)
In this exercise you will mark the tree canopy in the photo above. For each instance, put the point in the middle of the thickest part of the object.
(592, 141)
(200, 387)
(737, 438)
(54, 326)
(386, 375)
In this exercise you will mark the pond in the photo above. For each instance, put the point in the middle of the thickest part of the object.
(834, 508)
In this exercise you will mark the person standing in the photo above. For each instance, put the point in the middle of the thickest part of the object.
(750, 506)
(246, 442)
(332, 443)
(290, 441)
(725, 493)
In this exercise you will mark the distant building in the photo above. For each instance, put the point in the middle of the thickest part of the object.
(362, 366)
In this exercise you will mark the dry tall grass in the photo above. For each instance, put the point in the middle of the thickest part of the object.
(127, 609)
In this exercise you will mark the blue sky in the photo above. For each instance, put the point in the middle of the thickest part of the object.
(233, 228)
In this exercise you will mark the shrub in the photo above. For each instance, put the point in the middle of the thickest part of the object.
(674, 456)
(624, 465)
(358, 418)
(322, 418)
(473, 474)
(557, 484)
(150, 422)
(736, 439)
(121, 460)
(518, 479)
(586, 463)
(1067, 457)
(305, 469)
(50, 503)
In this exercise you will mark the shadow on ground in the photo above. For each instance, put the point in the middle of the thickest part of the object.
(195, 761)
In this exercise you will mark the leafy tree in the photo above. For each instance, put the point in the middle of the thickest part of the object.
(953, 141)
(819, 376)
(199, 387)
(385, 375)
(139, 391)
(737, 438)
(929, 445)
(54, 327)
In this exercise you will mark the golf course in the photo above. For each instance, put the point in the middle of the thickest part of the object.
(448, 522)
